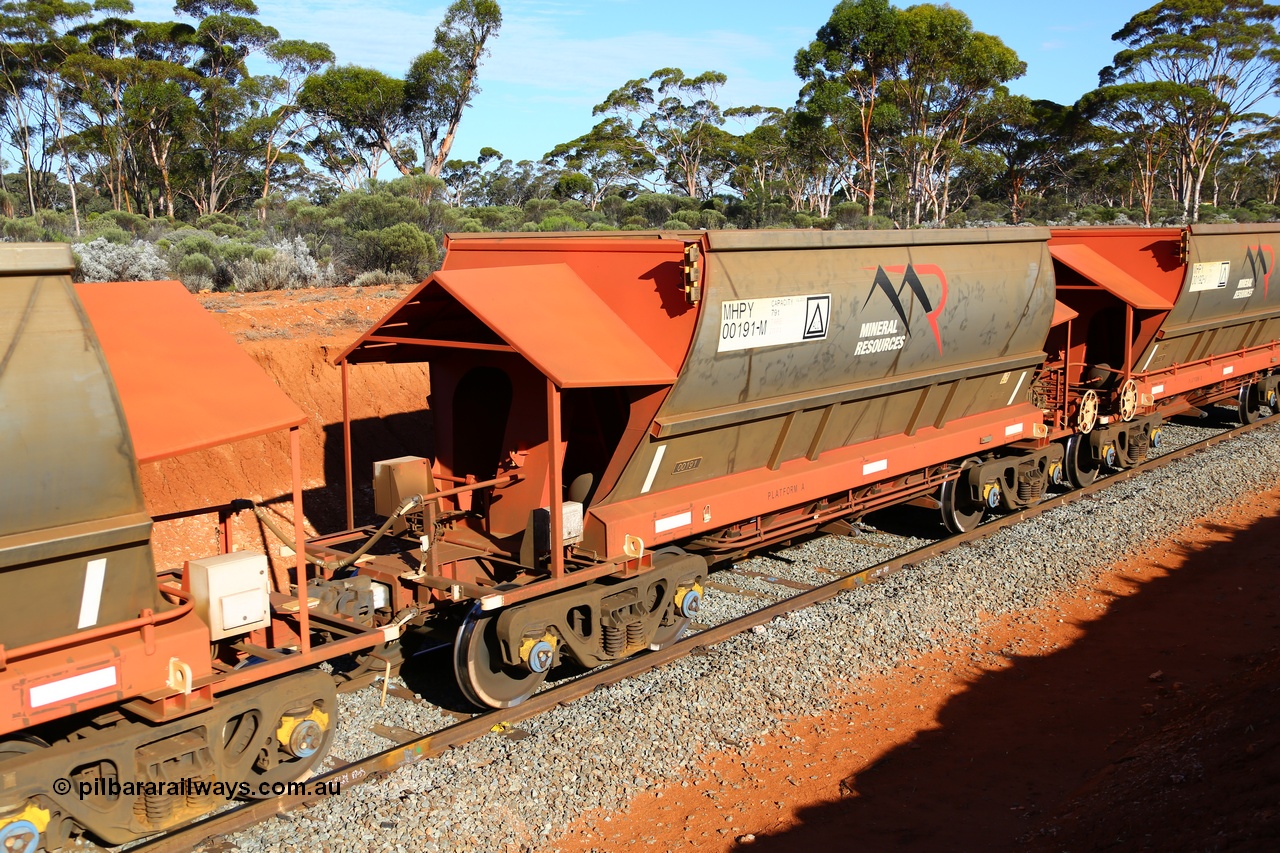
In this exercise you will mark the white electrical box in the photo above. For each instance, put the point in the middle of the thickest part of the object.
(231, 592)
(537, 534)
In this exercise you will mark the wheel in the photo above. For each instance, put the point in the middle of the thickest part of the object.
(1128, 399)
(483, 676)
(21, 745)
(1087, 412)
(19, 836)
(304, 736)
(1250, 404)
(1082, 468)
(960, 512)
(668, 634)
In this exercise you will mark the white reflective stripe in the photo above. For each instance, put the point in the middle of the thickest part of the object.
(91, 599)
(1157, 389)
(875, 467)
(1227, 371)
(653, 469)
(1021, 376)
(69, 688)
(1153, 355)
(671, 522)
(1013, 429)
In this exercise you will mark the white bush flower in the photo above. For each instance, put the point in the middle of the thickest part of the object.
(102, 260)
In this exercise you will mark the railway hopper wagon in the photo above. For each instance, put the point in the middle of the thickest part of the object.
(1167, 321)
(706, 394)
(126, 693)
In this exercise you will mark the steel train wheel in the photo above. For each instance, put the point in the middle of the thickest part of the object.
(306, 748)
(1250, 404)
(1082, 468)
(960, 512)
(20, 836)
(483, 676)
(668, 634)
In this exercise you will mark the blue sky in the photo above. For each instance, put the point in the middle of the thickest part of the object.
(555, 59)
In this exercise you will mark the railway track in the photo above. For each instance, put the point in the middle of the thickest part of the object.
(413, 748)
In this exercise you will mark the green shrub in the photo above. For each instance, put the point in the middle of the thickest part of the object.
(225, 230)
(399, 248)
(377, 278)
(196, 271)
(561, 222)
(211, 219)
(234, 251)
(111, 234)
(197, 243)
(134, 223)
(713, 219)
(24, 230)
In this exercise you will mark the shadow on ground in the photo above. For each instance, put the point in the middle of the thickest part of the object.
(1088, 748)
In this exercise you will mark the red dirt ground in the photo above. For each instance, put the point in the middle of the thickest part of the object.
(1138, 714)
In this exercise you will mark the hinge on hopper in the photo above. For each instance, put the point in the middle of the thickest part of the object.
(692, 273)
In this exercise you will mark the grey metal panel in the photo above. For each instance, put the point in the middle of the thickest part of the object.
(737, 410)
(993, 300)
(1250, 252)
(727, 241)
(1251, 294)
(68, 462)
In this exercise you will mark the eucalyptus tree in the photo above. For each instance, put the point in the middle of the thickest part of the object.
(1032, 140)
(605, 159)
(360, 123)
(504, 183)
(279, 122)
(948, 75)
(441, 83)
(463, 178)
(759, 155)
(1199, 67)
(1267, 166)
(675, 120)
(1134, 113)
(860, 47)
(219, 148)
(819, 168)
(35, 39)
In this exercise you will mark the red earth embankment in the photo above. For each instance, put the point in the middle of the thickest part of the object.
(294, 337)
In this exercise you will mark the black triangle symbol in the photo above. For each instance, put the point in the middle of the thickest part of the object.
(816, 325)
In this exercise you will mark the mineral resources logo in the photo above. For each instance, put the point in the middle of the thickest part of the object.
(883, 336)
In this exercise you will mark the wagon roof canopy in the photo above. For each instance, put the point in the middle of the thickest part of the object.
(172, 365)
(544, 312)
(1108, 276)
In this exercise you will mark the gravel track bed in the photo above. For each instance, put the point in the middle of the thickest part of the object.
(501, 793)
